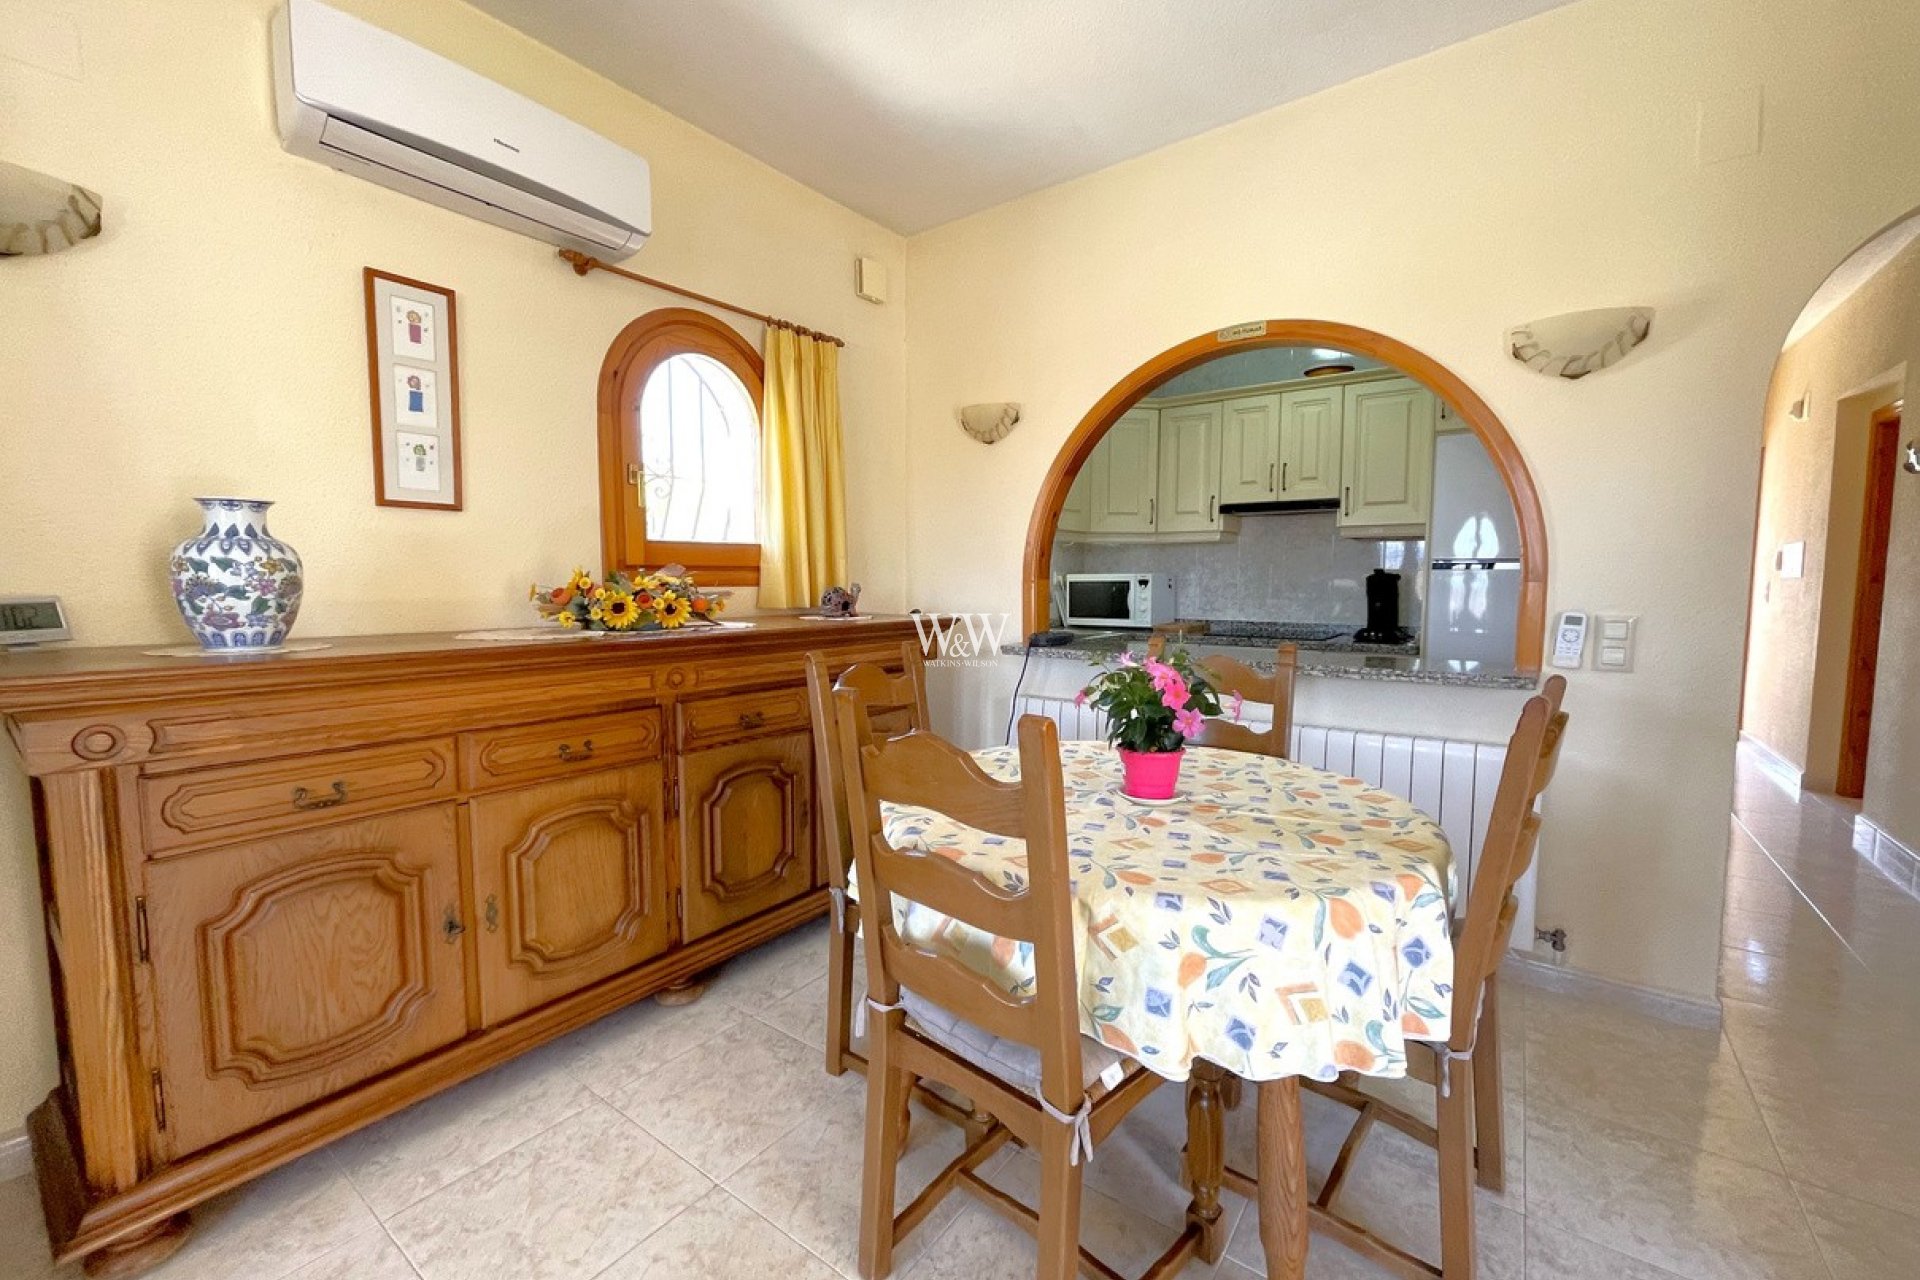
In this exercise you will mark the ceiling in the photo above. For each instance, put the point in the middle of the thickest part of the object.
(917, 112)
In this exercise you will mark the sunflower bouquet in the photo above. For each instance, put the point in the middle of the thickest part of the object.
(662, 600)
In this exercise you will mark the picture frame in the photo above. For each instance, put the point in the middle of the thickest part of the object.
(413, 390)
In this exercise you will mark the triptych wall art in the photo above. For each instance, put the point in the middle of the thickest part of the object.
(414, 387)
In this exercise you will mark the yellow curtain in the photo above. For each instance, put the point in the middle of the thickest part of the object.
(803, 508)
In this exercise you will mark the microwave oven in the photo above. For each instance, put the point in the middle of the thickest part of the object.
(1118, 600)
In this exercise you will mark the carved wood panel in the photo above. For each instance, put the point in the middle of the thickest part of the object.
(570, 881)
(212, 806)
(746, 829)
(289, 968)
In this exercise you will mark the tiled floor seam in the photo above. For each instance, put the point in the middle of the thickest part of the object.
(1795, 884)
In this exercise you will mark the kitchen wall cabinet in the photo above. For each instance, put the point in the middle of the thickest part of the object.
(1386, 459)
(1076, 513)
(1309, 443)
(1126, 472)
(1188, 481)
(1250, 448)
(288, 897)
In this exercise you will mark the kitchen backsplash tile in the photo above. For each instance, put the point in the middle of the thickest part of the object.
(1282, 568)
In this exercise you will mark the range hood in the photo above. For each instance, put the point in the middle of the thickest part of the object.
(1278, 508)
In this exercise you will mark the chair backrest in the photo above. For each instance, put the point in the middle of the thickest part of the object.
(1513, 830)
(1230, 676)
(901, 699)
(924, 771)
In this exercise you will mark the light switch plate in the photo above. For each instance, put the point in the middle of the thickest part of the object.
(1614, 636)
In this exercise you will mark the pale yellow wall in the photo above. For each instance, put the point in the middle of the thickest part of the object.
(1812, 489)
(1547, 167)
(212, 341)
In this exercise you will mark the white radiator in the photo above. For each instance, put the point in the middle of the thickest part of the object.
(1451, 781)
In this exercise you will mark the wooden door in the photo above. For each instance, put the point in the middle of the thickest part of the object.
(1125, 468)
(1386, 456)
(1309, 443)
(289, 968)
(1869, 600)
(1250, 449)
(570, 885)
(1189, 479)
(746, 829)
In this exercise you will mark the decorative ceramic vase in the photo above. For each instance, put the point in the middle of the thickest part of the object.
(1150, 775)
(238, 586)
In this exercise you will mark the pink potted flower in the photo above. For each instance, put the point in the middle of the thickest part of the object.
(1154, 708)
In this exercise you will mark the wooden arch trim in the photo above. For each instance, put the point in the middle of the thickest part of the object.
(636, 352)
(1037, 584)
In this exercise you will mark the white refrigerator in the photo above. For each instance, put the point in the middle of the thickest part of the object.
(1473, 559)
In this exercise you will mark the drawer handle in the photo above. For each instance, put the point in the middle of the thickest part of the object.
(752, 719)
(572, 756)
(493, 913)
(302, 799)
(451, 926)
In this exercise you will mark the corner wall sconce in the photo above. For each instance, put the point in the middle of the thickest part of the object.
(1578, 343)
(989, 423)
(41, 215)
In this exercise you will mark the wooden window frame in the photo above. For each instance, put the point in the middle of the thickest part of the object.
(640, 348)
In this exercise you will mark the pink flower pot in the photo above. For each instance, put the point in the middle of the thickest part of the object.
(1150, 775)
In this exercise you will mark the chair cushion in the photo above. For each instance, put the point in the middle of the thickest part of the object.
(1016, 1064)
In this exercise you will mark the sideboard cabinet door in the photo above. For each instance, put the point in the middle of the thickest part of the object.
(571, 882)
(746, 829)
(289, 968)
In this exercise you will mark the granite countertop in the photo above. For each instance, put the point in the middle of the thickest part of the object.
(1336, 664)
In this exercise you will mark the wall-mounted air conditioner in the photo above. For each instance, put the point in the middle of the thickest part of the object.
(366, 102)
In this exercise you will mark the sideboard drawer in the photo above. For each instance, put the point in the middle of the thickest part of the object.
(535, 751)
(706, 722)
(210, 806)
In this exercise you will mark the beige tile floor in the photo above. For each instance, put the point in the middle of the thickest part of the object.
(707, 1142)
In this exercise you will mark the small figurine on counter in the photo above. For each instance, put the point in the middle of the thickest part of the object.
(839, 602)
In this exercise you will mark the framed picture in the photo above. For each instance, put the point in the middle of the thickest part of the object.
(413, 378)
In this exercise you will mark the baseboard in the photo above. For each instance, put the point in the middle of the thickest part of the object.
(1778, 767)
(1655, 1002)
(16, 1155)
(1888, 855)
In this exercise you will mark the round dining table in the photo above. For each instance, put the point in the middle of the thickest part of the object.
(1272, 922)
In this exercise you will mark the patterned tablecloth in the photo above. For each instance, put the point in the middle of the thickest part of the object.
(1277, 920)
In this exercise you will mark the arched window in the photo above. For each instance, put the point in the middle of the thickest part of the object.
(680, 448)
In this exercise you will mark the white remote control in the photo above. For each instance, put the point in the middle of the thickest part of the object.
(1570, 640)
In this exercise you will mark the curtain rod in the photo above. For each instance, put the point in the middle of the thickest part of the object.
(582, 264)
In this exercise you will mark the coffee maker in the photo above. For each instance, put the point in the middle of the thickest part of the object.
(1383, 611)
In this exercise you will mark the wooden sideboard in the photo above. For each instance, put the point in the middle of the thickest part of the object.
(287, 895)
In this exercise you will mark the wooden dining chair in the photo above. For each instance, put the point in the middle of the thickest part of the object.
(1031, 1073)
(1230, 676)
(1465, 1069)
(894, 704)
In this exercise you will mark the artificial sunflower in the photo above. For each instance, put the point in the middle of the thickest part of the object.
(580, 581)
(672, 610)
(616, 610)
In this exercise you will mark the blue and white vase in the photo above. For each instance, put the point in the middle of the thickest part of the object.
(238, 586)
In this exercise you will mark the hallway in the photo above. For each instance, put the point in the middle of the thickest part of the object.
(1820, 983)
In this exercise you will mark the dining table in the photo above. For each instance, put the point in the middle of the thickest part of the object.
(1270, 923)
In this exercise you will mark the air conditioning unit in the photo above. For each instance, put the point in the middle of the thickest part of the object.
(366, 102)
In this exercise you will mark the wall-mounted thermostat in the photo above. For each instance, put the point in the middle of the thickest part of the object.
(28, 621)
(1570, 640)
